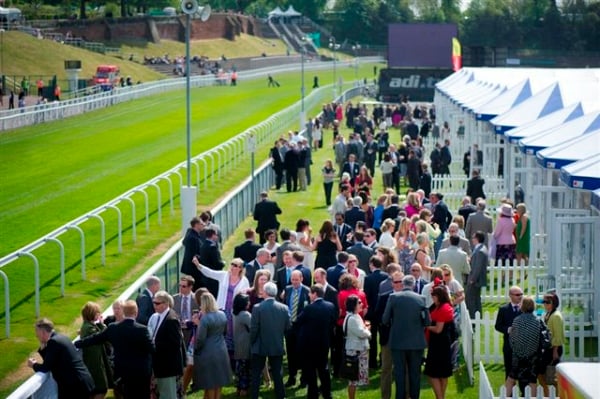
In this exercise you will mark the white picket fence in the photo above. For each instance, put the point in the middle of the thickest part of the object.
(487, 345)
(486, 391)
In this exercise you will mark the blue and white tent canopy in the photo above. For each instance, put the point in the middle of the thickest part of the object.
(571, 151)
(561, 133)
(547, 122)
(510, 98)
(476, 102)
(584, 174)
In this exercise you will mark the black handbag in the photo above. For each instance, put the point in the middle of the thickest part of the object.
(349, 366)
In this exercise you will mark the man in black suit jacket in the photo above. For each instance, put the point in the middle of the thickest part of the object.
(192, 243)
(391, 212)
(467, 208)
(132, 348)
(210, 256)
(354, 214)
(265, 214)
(334, 272)
(270, 321)
(441, 216)
(420, 282)
(277, 163)
(296, 298)
(475, 186)
(371, 288)
(314, 342)
(352, 168)
(247, 250)
(262, 258)
(504, 320)
(362, 252)
(342, 229)
(145, 309)
(283, 275)
(168, 358)
(297, 260)
(291, 163)
(63, 361)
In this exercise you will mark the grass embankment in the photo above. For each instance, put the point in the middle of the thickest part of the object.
(55, 172)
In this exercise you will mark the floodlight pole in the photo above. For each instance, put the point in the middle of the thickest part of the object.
(302, 113)
(333, 46)
(188, 192)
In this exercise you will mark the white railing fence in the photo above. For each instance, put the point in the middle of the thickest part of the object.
(466, 329)
(486, 391)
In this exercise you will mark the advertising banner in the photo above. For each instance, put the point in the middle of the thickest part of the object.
(416, 83)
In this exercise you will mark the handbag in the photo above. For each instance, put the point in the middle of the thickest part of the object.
(349, 366)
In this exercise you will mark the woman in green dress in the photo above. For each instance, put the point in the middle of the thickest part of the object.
(522, 235)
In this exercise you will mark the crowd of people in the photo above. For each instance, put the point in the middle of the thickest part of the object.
(381, 281)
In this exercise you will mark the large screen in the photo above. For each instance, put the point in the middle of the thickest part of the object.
(420, 45)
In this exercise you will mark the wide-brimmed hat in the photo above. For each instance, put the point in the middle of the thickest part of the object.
(506, 210)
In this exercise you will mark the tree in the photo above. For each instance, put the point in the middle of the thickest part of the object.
(490, 23)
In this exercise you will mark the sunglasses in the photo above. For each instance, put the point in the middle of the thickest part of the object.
(517, 294)
(157, 302)
(235, 265)
(547, 302)
(446, 274)
(397, 282)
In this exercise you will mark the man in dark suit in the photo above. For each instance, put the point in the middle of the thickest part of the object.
(467, 208)
(168, 358)
(478, 276)
(342, 229)
(270, 321)
(475, 186)
(334, 272)
(63, 361)
(145, 308)
(441, 216)
(132, 348)
(391, 212)
(354, 214)
(330, 293)
(262, 258)
(314, 342)
(407, 316)
(362, 252)
(371, 288)
(265, 214)
(247, 250)
(352, 168)
(504, 320)
(295, 297)
(277, 163)
(283, 275)
(370, 239)
(297, 260)
(286, 245)
(192, 242)
(210, 256)
(291, 163)
(416, 271)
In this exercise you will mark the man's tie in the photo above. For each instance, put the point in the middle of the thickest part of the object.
(185, 309)
(515, 308)
(295, 299)
(288, 273)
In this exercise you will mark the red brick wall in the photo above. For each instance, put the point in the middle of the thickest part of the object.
(217, 26)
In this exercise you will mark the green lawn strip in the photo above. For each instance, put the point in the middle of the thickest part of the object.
(311, 205)
(103, 283)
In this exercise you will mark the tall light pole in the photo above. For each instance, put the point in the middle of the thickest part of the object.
(334, 46)
(302, 88)
(188, 192)
(355, 48)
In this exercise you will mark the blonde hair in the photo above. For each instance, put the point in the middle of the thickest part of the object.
(447, 268)
(459, 220)
(413, 199)
(208, 303)
(387, 223)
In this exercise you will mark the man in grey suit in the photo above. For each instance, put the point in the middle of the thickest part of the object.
(407, 316)
(184, 304)
(270, 321)
(463, 243)
(478, 276)
(456, 258)
(479, 221)
(286, 245)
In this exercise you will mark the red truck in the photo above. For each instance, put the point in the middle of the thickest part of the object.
(107, 76)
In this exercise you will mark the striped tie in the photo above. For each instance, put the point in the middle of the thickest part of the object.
(295, 298)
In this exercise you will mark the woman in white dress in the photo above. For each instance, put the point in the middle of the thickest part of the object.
(387, 234)
(317, 134)
(305, 241)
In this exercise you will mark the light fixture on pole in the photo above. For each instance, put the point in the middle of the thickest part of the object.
(188, 192)
(334, 46)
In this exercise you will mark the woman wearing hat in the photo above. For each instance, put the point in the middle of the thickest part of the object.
(503, 234)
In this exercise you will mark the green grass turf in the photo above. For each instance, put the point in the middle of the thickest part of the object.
(55, 172)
